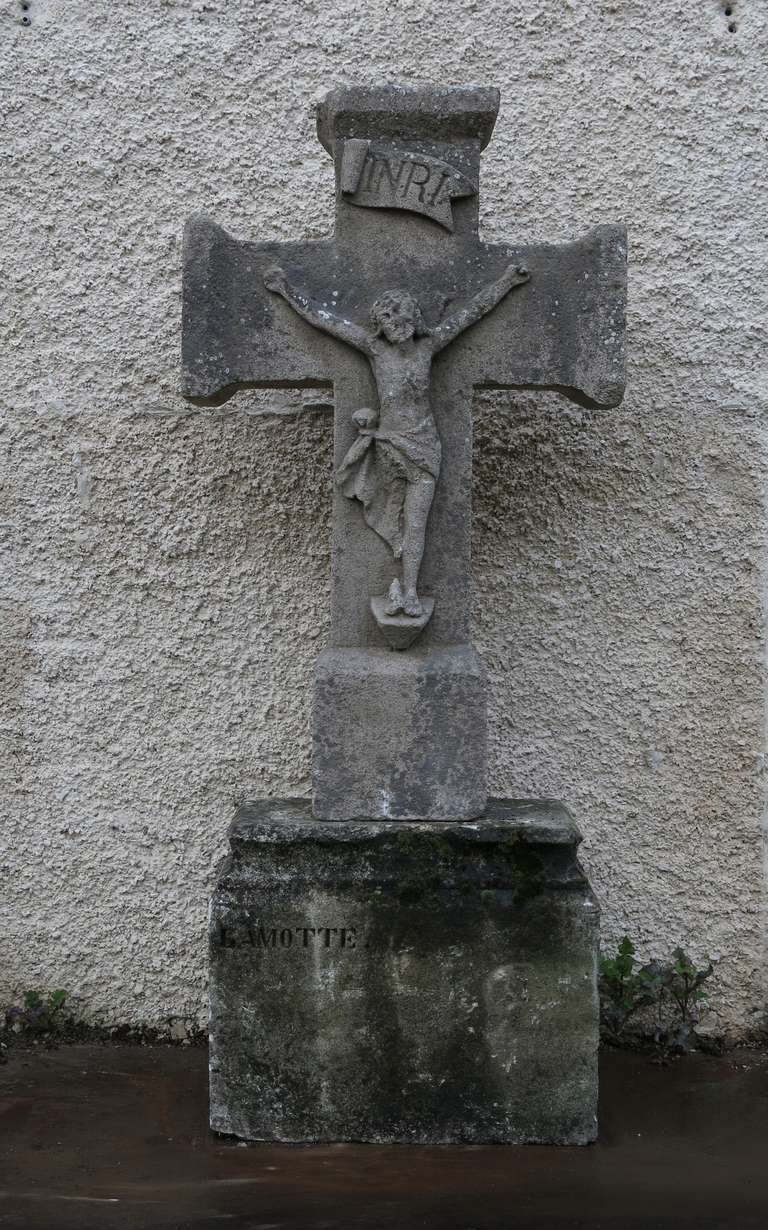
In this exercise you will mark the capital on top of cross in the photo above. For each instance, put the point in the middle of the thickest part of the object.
(426, 113)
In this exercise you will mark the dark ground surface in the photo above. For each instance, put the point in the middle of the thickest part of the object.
(115, 1137)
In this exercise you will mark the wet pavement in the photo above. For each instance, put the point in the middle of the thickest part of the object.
(116, 1137)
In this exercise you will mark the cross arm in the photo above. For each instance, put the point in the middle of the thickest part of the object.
(235, 333)
(564, 329)
(317, 314)
(479, 305)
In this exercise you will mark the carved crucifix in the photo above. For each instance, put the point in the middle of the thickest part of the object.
(394, 464)
(405, 311)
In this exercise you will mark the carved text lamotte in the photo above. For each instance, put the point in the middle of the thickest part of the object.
(249, 935)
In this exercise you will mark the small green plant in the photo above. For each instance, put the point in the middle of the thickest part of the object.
(623, 991)
(672, 989)
(40, 1014)
(679, 992)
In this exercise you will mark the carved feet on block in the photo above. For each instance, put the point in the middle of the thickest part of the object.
(399, 628)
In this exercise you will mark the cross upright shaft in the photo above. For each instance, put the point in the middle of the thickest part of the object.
(403, 735)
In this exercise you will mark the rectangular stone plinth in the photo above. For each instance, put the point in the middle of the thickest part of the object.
(428, 983)
(399, 735)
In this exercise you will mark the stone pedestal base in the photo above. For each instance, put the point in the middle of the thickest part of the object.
(428, 982)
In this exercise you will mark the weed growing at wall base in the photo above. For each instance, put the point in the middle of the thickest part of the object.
(658, 1002)
(40, 1014)
(44, 1018)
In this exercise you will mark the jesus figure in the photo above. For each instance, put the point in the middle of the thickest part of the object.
(393, 466)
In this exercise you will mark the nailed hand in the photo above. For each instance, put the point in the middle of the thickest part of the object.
(274, 279)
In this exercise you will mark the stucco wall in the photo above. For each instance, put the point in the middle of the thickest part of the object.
(165, 571)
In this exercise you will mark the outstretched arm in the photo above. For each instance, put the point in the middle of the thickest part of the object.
(479, 305)
(317, 315)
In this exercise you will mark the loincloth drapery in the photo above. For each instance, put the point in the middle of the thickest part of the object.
(376, 471)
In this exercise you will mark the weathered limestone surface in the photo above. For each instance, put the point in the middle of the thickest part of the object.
(433, 982)
(388, 981)
(565, 330)
(400, 735)
(406, 311)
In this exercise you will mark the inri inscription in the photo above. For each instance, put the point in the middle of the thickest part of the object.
(378, 175)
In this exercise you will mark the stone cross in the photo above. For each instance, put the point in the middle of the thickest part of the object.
(405, 311)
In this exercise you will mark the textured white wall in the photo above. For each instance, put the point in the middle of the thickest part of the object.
(165, 571)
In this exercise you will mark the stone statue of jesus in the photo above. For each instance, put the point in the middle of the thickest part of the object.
(393, 466)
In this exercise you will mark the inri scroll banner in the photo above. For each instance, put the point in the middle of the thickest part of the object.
(380, 175)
